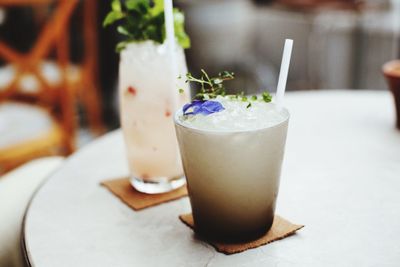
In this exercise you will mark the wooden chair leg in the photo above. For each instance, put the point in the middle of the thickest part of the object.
(92, 105)
(91, 95)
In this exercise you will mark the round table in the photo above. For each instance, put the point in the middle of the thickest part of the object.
(341, 178)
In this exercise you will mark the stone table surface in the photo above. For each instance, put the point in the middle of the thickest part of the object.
(341, 178)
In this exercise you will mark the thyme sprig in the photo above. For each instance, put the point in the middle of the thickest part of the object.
(211, 87)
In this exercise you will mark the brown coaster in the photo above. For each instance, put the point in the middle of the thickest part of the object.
(123, 189)
(280, 229)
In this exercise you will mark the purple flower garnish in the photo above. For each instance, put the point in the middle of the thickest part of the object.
(202, 107)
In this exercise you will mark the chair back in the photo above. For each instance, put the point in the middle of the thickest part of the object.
(54, 37)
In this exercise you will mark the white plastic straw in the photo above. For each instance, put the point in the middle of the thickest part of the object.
(170, 40)
(169, 25)
(283, 74)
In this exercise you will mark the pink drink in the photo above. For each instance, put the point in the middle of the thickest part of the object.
(149, 97)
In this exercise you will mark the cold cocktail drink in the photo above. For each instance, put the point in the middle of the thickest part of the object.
(148, 94)
(232, 161)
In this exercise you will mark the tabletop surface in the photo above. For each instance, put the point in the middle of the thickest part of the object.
(341, 178)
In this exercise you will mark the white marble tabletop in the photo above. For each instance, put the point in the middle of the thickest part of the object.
(341, 178)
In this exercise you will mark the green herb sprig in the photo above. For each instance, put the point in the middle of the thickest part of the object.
(211, 87)
(140, 20)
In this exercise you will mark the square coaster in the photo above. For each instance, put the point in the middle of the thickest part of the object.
(280, 229)
(123, 189)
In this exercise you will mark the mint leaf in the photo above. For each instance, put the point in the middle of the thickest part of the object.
(157, 8)
(112, 17)
(141, 6)
(140, 20)
(136, 4)
(122, 30)
(116, 5)
(179, 22)
(120, 46)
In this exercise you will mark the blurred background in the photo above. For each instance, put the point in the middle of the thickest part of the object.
(59, 58)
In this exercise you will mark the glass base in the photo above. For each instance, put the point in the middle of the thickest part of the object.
(153, 187)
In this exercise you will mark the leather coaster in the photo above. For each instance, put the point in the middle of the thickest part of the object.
(123, 189)
(280, 229)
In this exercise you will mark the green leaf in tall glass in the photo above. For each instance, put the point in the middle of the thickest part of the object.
(140, 20)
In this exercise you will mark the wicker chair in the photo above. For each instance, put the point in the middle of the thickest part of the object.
(36, 112)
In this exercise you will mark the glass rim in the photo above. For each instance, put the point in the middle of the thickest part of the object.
(206, 131)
